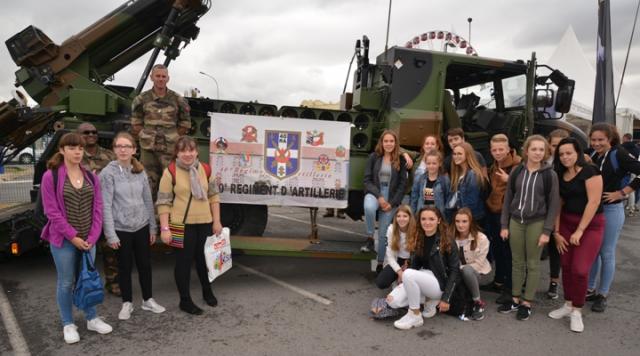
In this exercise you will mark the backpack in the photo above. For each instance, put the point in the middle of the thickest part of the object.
(381, 310)
(460, 301)
(88, 291)
(172, 171)
(38, 210)
(546, 181)
(613, 158)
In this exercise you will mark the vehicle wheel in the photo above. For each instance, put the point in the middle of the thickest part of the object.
(25, 158)
(243, 219)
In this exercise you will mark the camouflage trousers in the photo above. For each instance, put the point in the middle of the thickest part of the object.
(110, 263)
(154, 163)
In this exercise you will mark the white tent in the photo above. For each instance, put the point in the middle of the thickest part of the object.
(569, 58)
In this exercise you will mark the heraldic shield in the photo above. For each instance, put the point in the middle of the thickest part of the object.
(282, 153)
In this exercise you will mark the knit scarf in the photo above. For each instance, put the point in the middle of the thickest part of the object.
(196, 188)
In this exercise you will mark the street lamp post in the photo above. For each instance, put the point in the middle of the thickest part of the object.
(215, 81)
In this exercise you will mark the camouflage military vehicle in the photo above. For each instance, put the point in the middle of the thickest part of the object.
(410, 90)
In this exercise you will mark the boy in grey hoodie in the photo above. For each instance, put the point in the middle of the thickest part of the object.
(531, 203)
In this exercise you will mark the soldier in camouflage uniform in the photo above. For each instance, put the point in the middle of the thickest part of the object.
(158, 117)
(95, 159)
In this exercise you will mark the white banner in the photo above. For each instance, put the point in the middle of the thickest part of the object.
(280, 161)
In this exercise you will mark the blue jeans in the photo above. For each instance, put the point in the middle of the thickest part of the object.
(68, 262)
(384, 220)
(606, 260)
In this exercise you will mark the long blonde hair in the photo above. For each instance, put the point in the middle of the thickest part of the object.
(136, 166)
(472, 164)
(395, 154)
(411, 227)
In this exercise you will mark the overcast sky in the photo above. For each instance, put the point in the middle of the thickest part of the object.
(284, 51)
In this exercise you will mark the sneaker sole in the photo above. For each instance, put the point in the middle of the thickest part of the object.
(409, 328)
(557, 317)
(72, 341)
(99, 332)
(153, 311)
(121, 318)
(507, 311)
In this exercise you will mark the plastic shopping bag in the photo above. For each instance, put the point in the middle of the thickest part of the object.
(217, 253)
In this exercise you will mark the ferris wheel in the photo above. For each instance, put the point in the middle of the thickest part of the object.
(441, 41)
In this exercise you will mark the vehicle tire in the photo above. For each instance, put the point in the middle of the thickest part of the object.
(25, 158)
(244, 219)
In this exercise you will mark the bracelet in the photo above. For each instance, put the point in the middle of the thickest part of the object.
(624, 195)
(164, 228)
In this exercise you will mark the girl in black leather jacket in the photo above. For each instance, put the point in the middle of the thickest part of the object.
(434, 271)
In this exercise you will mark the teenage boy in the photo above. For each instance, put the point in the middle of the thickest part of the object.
(504, 160)
(455, 137)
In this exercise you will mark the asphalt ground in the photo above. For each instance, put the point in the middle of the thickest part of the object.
(267, 316)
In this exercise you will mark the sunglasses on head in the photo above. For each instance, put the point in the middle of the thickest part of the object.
(90, 132)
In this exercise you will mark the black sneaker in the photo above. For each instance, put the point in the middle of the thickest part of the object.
(552, 293)
(477, 313)
(524, 312)
(508, 307)
(599, 304)
(190, 308)
(591, 295)
(368, 246)
(504, 298)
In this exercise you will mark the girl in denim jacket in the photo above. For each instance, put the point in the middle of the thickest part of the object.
(468, 183)
(432, 188)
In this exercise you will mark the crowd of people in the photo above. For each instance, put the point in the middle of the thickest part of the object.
(462, 216)
(95, 196)
(442, 220)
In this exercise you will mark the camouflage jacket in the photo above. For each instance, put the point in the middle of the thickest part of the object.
(95, 163)
(160, 117)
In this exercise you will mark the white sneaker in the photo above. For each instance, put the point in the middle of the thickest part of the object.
(408, 321)
(562, 312)
(151, 305)
(576, 321)
(430, 309)
(125, 312)
(71, 334)
(99, 326)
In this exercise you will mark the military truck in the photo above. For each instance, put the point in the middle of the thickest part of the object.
(412, 91)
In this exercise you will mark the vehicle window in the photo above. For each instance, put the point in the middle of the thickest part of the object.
(515, 91)
(484, 91)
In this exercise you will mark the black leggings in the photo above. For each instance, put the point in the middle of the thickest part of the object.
(554, 259)
(134, 244)
(388, 275)
(195, 235)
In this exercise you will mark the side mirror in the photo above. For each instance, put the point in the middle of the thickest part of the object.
(565, 96)
(543, 98)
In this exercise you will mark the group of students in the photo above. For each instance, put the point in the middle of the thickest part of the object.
(555, 193)
(80, 206)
